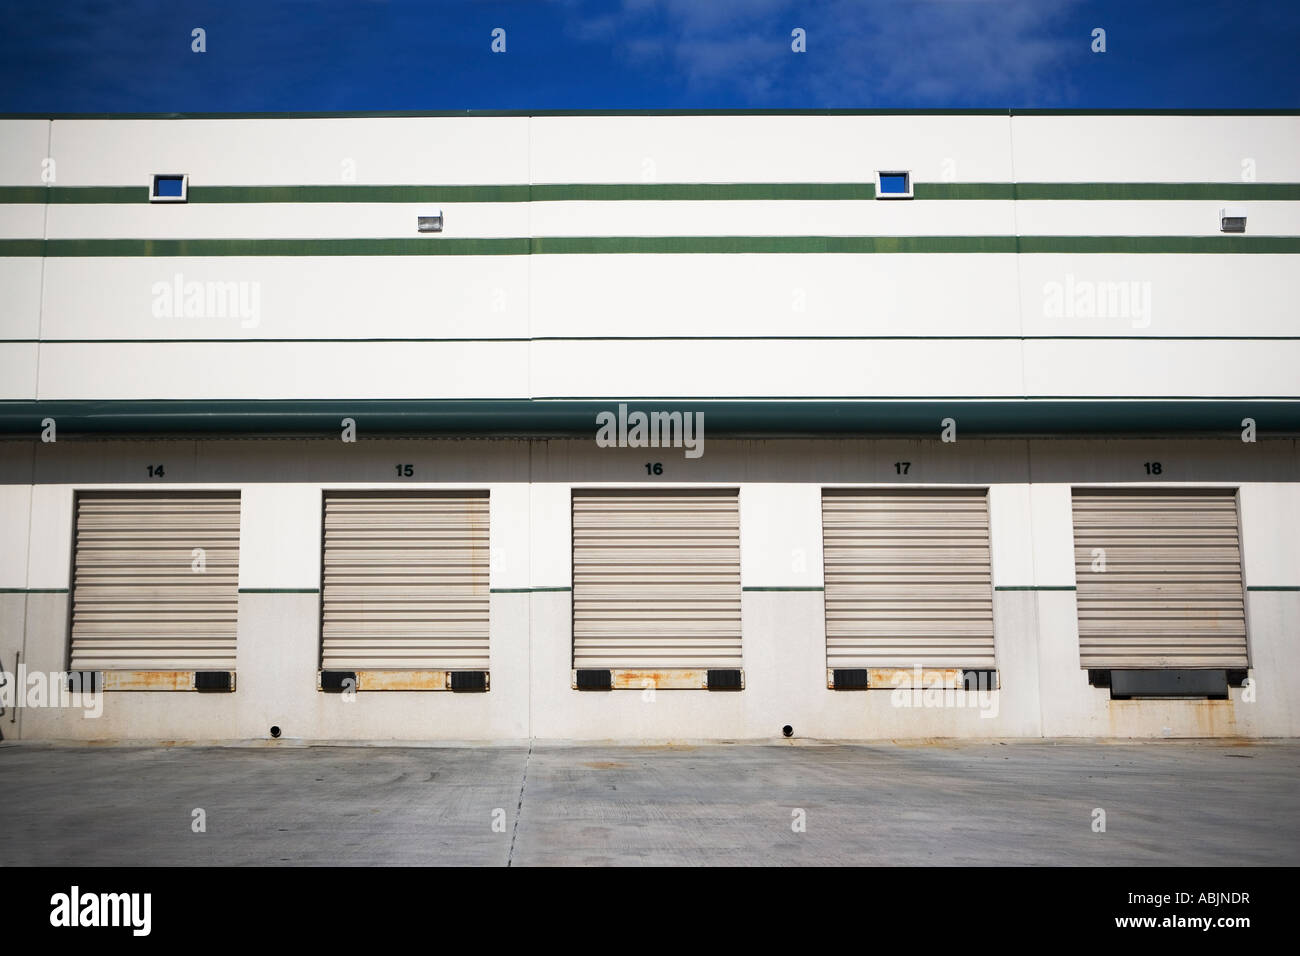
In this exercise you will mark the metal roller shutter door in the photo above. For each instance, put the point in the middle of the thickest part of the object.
(137, 601)
(908, 579)
(1171, 594)
(656, 580)
(405, 581)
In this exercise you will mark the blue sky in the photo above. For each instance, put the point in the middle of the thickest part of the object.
(289, 55)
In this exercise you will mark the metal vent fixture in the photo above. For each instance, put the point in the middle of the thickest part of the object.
(430, 223)
(1232, 219)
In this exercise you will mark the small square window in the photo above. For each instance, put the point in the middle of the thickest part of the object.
(894, 184)
(169, 187)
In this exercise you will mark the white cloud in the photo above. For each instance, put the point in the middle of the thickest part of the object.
(860, 52)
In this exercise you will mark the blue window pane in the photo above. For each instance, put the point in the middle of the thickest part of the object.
(167, 186)
(893, 183)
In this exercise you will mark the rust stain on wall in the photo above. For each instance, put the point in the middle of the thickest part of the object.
(402, 680)
(660, 679)
(148, 680)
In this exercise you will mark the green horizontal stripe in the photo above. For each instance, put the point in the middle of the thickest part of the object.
(1034, 587)
(24, 194)
(88, 195)
(656, 192)
(276, 247)
(964, 190)
(22, 248)
(544, 192)
(670, 245)
(33, 590)
(725, 245)
(769, 417)
(356, 193)
(667, 192)
(1273, 587)
(279, 590)
(791, 588)
(1160, 244)
(1222, 192)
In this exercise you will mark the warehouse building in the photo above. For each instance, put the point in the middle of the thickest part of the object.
(650, 426)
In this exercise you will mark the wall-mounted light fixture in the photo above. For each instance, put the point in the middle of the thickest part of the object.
(1232, 219)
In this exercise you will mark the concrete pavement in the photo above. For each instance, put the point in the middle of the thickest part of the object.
(962, 803)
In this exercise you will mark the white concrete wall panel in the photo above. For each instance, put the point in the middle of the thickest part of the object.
(1155, 149)
(18, 370)
(257, 152)
(509, 532)
(26, 147)
(781, 536)
(49, 542)
(747, 369)
(776, 149)
(1117, 217)
(305, 220)
(308, 297)
(280, 537)
(550, 535)
(846, 217)
(1011, 535)
(15, 517)
(1052, 531)
(1156, 369)
(20, 304)
(473, 220)
(283, 370)
(1269, 516)
(904, 294)
(1159, 295)
(22, 221)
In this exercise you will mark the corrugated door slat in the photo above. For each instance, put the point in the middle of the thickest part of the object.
(137, 601)
(1171, 592)
(405, 581)
(908, 580)
(656, 580)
